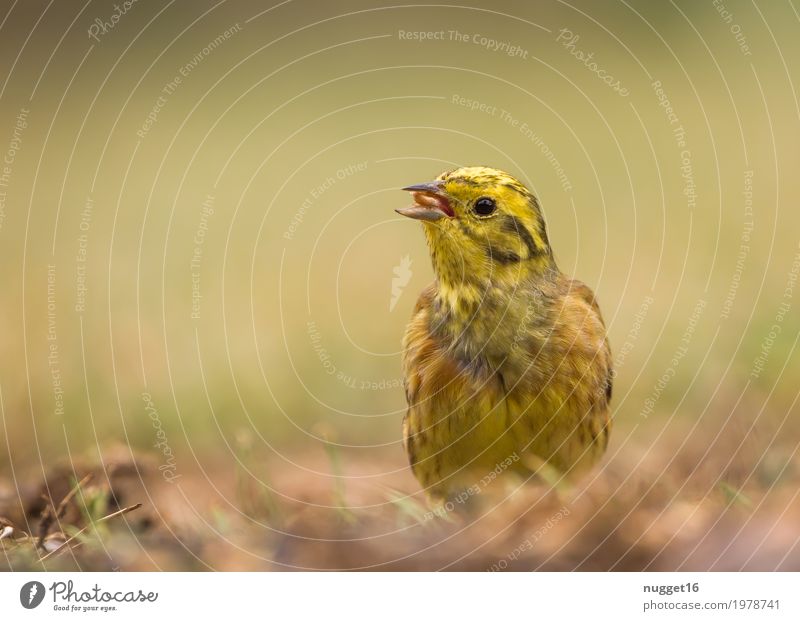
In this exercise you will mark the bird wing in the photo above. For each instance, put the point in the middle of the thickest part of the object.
(560, 404)
(418, 347)
(590, 367)
(585, 294)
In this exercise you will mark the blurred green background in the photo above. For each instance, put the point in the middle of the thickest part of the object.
(265, 180)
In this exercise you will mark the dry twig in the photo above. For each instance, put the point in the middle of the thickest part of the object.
(49, 514)
(82, 530)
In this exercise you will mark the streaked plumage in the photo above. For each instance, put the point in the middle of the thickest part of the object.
(504, 354)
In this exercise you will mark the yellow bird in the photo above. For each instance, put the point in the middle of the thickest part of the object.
(506, 361)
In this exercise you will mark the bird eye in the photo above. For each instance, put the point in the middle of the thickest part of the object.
(485, 206)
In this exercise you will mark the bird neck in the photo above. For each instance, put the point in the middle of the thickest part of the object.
(480, 315)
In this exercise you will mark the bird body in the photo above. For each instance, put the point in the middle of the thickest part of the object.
(506, 360)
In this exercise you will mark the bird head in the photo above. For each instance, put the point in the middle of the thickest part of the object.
(481, 224)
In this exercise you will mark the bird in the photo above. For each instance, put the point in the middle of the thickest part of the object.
(506, 361)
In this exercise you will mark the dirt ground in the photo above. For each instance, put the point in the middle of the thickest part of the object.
(638, 512)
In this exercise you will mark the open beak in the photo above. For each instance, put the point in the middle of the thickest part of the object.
(430, 203)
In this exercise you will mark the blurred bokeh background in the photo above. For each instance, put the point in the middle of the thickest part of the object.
(201, 265)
